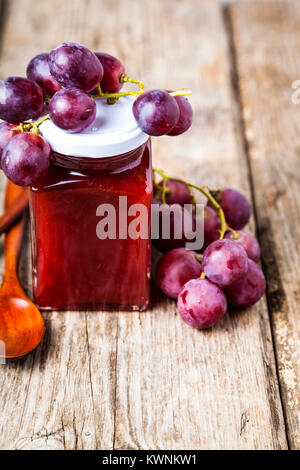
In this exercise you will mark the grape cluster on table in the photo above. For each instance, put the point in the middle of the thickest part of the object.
(226, 270)
(64, 83)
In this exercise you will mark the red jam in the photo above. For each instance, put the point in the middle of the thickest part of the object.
(72, 268)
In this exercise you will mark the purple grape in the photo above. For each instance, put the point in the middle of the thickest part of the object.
(72, 109)
(113, 69)
(249, 243)
(212, 225)
(185, 118)
(249, 290)
(177, 193)
(179, 219)
(201, 303)
(26, 158)
(7, 132)
(74, 65)
(156, 112)
(225, 262)
(174, 269)
(20, 99)
(235, 206)
(38, 71)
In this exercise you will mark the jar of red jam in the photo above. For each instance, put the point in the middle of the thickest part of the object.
(104, 169)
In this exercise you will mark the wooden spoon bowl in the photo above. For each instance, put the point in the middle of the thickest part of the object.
(21, 324)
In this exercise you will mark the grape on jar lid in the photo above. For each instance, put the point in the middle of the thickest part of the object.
(185, 116)
(7, 132)
(156, 112)
(26, 158)
(72, 64)
(20, 99)
(113, 69)
(39, 71)
(72, 109)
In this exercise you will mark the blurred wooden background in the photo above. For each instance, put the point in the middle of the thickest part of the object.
(148, 381)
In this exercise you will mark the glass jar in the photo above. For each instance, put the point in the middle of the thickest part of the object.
(84, 256)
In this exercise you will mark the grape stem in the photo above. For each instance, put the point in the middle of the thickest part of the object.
(113, 97)
(125, 79)
(181, 92)
(203, 189)
(33, 126)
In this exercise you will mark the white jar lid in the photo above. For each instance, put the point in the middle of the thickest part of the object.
(114, 131)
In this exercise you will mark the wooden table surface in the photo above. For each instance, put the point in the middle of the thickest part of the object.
(149, 381)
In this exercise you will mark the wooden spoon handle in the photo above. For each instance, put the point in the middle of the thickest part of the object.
(13, 239)
(14, 211)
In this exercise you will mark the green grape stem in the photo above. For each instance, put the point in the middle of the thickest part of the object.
(236, 235)
(113, 97)
(125, 79)
(203, 189)
(32, 126)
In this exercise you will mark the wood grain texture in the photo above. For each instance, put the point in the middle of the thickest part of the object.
(131, 381)
(194, 389)
(267, 42)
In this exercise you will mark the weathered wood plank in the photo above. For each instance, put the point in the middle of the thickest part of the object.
(177, 387)
(147, 380)
(267, 46)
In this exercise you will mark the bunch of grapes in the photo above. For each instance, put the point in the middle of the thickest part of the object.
(65, 84)
(159, 113)
(226, 271)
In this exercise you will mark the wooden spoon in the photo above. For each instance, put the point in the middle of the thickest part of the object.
(21, 324)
